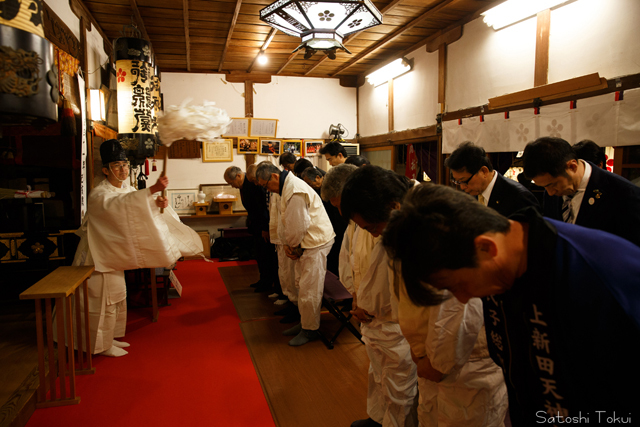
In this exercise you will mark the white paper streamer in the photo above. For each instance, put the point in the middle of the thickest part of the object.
(199, 122)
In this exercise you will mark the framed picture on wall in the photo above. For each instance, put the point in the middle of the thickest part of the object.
(182, 201)
(217, 150)
(312, 147)
(270, 147)
(264, 127)
(293, 146)
(248, 145)
(240, 126)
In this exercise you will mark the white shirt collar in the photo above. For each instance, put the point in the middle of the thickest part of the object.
(576, 201)
(487, 191)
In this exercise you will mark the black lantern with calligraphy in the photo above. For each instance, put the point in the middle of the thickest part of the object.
(28, 78)
(156, 97)
(136, 111)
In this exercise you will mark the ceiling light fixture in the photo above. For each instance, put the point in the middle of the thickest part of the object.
(390, 71)
(321, 25)
(513, 11)
(262, 59)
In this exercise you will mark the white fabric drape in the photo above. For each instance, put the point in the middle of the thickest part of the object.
(602, 119)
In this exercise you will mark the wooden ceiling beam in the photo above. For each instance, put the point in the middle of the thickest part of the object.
(138, 18)
(262, 49)
(185, 14)
(229, 36)
(353, 36)
(291, 58)
(389, 38)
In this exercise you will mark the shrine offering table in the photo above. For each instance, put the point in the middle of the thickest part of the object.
(62, 285)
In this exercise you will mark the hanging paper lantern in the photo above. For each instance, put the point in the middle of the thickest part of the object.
(136, 113)
(156, 98)
(28, 85)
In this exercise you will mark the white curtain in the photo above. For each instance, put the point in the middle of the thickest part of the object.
(600, 118)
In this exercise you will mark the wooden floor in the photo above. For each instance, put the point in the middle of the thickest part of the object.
(304, 386)
(18, 363)
(307, 386)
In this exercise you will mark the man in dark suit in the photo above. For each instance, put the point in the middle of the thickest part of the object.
(579, 192)
(254, 199)
(473, 172)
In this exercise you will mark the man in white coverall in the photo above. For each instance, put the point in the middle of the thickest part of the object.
(392, 394)
(124, 230)
(308, 237)
(286, 265)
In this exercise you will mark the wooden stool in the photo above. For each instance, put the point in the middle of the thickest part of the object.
(61, 284)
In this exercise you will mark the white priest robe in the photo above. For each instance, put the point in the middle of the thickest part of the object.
(393, 379)
(124, 230)
(306, 223)
(472, 392)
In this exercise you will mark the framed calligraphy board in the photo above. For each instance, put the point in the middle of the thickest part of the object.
(217, 150)
(264, 127)
(240, 126)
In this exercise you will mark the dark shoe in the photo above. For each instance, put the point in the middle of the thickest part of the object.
(263, 288)
(303, 337)
(365, 423)
(290, 318)
(286, 310)
(292, 331)
(255, 285)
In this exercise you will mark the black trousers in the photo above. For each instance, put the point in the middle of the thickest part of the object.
(267, 259)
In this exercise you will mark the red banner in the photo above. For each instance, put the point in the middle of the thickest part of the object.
(411, 170)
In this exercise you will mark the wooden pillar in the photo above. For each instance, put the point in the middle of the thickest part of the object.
(248, 98)
(249, 159)
(442, 76)
(442, 97)
(357, 110)
(541, 74)
(391, 124)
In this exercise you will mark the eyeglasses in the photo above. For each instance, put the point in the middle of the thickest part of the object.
(119, 166)
(463, 182)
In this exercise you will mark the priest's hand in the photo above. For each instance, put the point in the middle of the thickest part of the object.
(293, 253)
(162, 202)
(427, 371)
(362, 315)
(161, 184)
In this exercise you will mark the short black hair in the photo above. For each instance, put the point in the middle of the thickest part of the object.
(357, 160)
(547, 155)
(591, 152)
(370, 191)
(287, 158)
(300, 165)
(333, 149)
(468, 156)
(434, 230)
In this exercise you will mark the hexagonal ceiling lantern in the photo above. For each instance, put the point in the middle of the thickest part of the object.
(322, 25)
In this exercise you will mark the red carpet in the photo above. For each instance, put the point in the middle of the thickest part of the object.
(191, 368)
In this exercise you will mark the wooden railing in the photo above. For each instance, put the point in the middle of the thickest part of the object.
(62, 285)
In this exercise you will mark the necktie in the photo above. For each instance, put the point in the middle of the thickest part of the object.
(481, 199)
(567, 211)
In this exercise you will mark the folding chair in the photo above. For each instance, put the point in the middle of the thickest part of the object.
(335, 291)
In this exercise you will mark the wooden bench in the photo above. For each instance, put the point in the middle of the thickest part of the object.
(62, 284)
